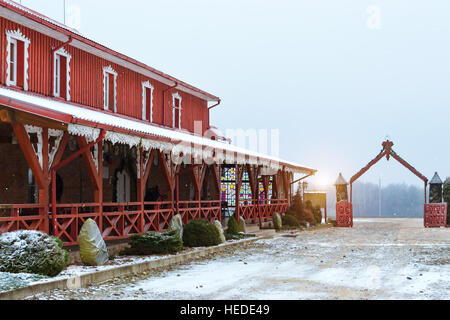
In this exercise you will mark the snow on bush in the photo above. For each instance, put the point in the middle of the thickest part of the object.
(32, 252)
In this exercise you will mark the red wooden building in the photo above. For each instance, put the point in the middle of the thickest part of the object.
(87, 132)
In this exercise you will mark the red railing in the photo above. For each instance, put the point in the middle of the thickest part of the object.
(157, 215)
(71, 217)
(253, 210)
(15, 217)
(121, 220)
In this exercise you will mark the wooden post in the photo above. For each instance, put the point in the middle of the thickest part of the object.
(44, 193)
(41, 177)
(141, 188)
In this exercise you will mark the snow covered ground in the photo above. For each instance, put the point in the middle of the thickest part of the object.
(377, 259)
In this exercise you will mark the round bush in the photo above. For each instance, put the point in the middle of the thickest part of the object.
(290, 221)
(200, 233)
(32, 252)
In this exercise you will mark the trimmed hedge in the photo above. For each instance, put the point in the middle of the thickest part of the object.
(155, 243)
(233, 227)
(200, 233)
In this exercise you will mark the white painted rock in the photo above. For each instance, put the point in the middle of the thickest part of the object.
(218, 226)
(277, 223)
(93, 250)
(242, 225)
(176, 224)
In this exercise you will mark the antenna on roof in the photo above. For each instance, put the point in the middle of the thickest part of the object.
(64, 1)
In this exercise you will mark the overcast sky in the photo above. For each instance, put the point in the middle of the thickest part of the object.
(335, 77)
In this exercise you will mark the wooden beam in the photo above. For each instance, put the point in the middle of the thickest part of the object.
(10, 115)
(30, 155)
(90, 164)
(61, 149)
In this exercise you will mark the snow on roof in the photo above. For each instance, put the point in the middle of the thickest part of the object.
(136, 127)
(340, 180)
(40, 16)
(98, 49)
(436, 179)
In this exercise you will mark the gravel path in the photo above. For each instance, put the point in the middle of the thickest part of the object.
(377, 259)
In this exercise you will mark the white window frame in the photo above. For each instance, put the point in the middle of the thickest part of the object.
(11, 37)
(176, 96)
(57, 62)
(147, 85)
(107, 72)
(14, 59)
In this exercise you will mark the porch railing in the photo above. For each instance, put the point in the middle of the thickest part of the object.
(21, 217)
(121, 220)
(253, 210)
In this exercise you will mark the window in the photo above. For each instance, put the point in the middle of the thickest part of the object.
(110, 89)
(176, 103)
(61, 67)
(17, 59)
(13, 62)
(147, 101)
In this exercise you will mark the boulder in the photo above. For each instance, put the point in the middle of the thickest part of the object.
(93, 250)
(219, 228)
(176, 224)
(27, 251)
(241, 226)
(277, 223)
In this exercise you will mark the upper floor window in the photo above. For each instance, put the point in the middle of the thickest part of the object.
(147, 101)
(176, 103)
(109, 89)
(61, 77)
(17, 59)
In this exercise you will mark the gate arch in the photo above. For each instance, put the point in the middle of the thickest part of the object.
(434, 214)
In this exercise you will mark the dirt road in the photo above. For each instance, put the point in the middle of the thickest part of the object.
(377, 259)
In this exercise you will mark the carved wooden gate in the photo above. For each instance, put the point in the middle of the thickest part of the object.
(344, 214)
(435, 215)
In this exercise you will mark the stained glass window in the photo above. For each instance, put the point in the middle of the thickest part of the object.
(229, 186)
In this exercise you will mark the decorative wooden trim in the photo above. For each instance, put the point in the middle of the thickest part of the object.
(109, 70)
(38, 148)
(17, 35)
(62, 52)
(58, 135)
(176, 95)
(60, 151)
(147, 85)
